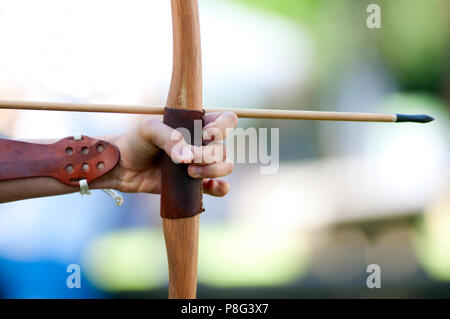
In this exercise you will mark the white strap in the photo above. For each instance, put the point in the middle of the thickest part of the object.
(84, 187)
(116, 196)
(84, 190)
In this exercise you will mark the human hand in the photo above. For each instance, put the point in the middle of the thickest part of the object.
(139, 169)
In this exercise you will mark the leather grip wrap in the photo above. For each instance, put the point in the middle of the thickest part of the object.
(67, 160)
(181, 195)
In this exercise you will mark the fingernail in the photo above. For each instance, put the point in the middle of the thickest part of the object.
(195, 171)
(208, 135)
(186, 154)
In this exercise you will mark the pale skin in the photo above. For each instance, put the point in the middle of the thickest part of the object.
(139, 169)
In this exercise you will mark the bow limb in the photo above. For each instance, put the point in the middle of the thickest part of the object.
(181, 235)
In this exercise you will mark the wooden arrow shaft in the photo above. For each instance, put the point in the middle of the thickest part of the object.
(158, 110)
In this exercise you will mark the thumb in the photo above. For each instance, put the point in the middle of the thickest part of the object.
(156, 133)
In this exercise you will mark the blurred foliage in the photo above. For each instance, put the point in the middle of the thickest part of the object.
(132, 259)
(413, 43)
(416, 41)
(266, 256)
(433, 240)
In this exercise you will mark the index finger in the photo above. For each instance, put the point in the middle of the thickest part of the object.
(219, 122)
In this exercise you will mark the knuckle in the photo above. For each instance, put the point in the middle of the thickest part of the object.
(232, 117)
(174, 145)
(213, 134)
(148, 125)
(150, 121)
(176, 136)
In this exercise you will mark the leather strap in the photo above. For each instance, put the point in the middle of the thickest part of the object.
(181, 194)
(67, 160)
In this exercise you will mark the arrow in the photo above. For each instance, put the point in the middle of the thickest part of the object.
(240, 112)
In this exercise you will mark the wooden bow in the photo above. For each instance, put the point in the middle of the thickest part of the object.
(181, 235)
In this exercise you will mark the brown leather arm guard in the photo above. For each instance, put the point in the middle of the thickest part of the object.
(69, 160)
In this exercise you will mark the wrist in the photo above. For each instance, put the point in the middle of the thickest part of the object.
(110, 180)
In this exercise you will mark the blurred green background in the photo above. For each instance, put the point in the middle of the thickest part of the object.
(346, 195)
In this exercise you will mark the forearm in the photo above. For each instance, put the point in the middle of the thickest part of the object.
(18, 189)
